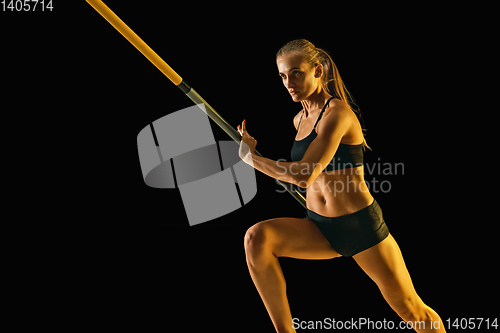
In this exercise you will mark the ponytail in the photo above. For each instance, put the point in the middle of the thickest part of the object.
(333, 84)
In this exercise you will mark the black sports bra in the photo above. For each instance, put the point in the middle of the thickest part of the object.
(346, 156)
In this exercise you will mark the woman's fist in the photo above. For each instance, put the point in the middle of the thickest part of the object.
(247, 143)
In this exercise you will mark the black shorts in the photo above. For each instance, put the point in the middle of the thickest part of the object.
(352, 233)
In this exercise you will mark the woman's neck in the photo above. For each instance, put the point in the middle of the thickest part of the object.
(315, 101)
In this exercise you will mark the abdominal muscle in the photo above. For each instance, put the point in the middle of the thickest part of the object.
(338, 192)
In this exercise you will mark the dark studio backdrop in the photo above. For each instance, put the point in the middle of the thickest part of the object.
(144, 264)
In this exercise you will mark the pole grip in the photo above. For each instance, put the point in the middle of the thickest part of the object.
(217, 118)
(132, 37)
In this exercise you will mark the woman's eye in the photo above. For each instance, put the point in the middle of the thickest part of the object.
(296, 73)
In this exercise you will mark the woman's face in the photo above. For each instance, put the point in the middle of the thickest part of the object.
(298, 77)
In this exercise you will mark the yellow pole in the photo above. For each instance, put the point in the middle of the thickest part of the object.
(132, 37)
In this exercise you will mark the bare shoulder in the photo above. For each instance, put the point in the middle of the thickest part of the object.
(337, 110)
(336, 119)
(340, 119)
(296, 119)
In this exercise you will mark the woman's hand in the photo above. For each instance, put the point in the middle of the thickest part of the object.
(247, 144)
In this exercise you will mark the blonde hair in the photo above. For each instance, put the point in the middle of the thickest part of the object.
(330, 79)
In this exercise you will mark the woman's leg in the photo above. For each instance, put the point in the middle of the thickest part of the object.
(384, 264)
(281, 237)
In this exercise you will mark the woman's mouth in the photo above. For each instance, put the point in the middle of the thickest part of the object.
(293, 92)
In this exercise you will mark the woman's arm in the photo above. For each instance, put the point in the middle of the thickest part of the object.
(290, 172)
(331, 129)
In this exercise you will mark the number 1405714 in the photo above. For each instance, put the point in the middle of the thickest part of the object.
(26, 5)
(472, 323)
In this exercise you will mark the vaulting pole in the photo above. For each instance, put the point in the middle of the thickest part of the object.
(132, 37)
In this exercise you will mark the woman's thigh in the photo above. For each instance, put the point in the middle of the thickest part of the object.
(292, 237)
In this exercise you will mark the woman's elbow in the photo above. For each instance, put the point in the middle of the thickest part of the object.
(304, 181)
(303, 184)
(305, 174)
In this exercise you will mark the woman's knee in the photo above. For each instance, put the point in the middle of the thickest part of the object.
(258, 239)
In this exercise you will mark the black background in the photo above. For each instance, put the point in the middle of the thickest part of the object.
(127, 251)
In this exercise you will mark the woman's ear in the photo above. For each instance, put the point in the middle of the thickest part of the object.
(319, 70)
